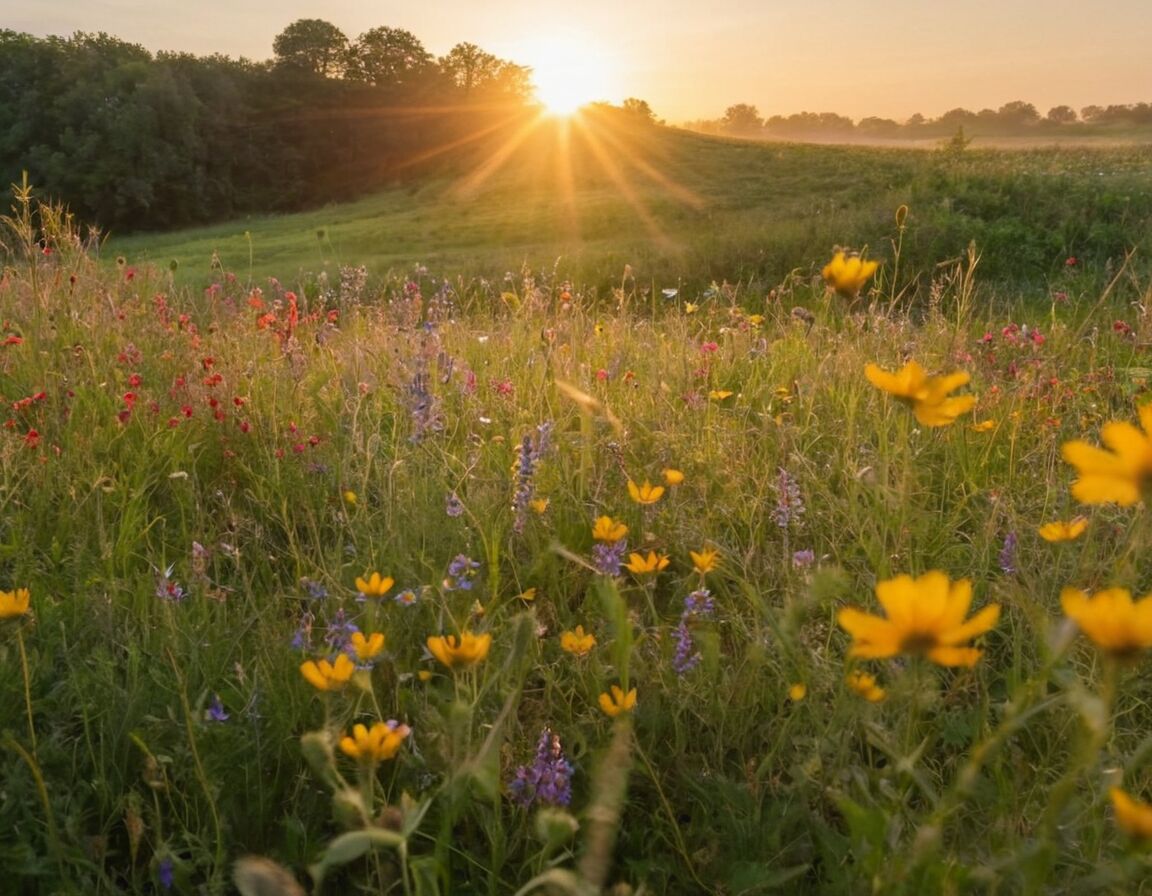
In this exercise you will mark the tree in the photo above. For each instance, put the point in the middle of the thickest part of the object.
(1018, 113)
(742, 118)
(388, 57)
(312, 45)
(639, 109)
(475, 72)
(1061, 115)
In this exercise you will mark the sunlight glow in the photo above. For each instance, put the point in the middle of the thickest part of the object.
(568, 71)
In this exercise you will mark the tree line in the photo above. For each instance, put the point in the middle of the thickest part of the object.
(132, 140)
(1014, 118)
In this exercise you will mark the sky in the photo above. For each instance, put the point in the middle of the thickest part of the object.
(690, 59)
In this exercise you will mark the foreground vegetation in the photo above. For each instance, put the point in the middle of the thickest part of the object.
(609, 540)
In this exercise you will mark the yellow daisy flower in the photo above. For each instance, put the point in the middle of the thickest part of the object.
(646, 493)
(1060, 531)
(847, 274)
(928, 395)
(641, 565)
(14, 603)
(456, 653)
(375, 585)
(328, 676)
(577, 642)
(1111, 619)
(1133, 817)
(925, 616)
(371, 745)
(607, 529)
(617, 701)
(1120, 474)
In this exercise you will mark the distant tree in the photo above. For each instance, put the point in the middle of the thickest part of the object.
(1091, 113)
(742, 118)
(878, 127)
(1061, 115)
(312, 45)
(477, 73)
(1017, 114)
(956, 117)
(915, 120)
(638, 109)
(388, 57)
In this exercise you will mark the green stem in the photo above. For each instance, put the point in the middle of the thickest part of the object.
(27, 688)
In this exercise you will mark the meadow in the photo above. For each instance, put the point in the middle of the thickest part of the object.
(696, 578)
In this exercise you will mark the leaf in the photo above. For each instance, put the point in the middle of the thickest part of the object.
(352, 845)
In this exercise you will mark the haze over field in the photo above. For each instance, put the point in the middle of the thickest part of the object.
(691, 61)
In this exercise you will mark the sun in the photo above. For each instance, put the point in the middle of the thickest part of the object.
(568, 71)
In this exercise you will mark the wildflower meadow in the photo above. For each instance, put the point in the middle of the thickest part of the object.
(408, 587)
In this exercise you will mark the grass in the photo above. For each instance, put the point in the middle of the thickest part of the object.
(684, 210)
(194, 480)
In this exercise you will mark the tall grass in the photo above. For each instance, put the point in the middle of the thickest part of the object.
(193, 482)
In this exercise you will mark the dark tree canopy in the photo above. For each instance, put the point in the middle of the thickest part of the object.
(312, 45)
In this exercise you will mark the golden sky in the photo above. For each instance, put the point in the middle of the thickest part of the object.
(690, 59)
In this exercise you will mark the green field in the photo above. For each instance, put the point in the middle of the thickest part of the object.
(682, 209)
(446, 582)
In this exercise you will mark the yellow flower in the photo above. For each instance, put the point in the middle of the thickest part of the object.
(326, 676)
(539, 505)
(1117, 476)
(719, 394)
(705, 560)
(646, 493)
(984, 426)
(673, 477)
(1133, 817)
(367, 648)
(1060, 531)
(467, 650)
(928, 395)
(864, 685)
(924, 616)
(13, 603)
(577, 642)
(350, 497)
(846, 275)
(527, 595)
(617, 702)
(798, 692)
(690, 308)
(371, 745)
(1111, 619)
(374, 585)
(607, 529)
(641, 565)
(424, 675)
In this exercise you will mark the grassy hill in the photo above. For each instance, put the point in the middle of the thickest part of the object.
(581, 200)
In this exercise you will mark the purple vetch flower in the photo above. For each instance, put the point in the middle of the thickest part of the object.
(315, 590)
(461, 573)
(454, 507)
(789, 500)
(803, 559)
(339, 632)
(686, 657)
(215, 711)
(547, 780)
(608, 557)
(302, 637)
(164, 873)
(699, 604)
(1007, 556)
(531, 450)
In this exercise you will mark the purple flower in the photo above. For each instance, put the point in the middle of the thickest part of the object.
(454, 507)
(803, 559)
(164, 872)
(339, 632)
(1007, 556)
(547, 780)
(789, 501)
(302, 637)
(699, 604)
(608, 558)
(215, 711)
(687, 657)
(461, 572)
(531, 450)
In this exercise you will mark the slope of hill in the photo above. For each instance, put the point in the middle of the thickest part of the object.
(582, 199)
